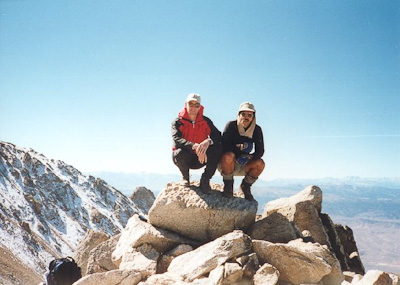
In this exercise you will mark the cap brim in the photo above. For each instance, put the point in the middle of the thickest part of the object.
(246, 110)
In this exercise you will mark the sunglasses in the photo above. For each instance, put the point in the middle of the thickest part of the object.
(248, 115)
(196, 105)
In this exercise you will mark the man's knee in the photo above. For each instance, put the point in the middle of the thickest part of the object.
(260, 164)
(228, 158)
(179, 155)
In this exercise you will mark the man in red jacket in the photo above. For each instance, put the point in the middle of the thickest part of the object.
(238, 158)
(196, 142)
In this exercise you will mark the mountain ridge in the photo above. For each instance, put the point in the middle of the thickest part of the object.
(47, 206)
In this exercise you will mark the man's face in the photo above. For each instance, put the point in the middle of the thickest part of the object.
(245, 118)
(192, 108)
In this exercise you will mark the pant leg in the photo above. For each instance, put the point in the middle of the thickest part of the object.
(214, 153)
(182, 159)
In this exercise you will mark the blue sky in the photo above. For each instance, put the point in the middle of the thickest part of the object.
(97, 83)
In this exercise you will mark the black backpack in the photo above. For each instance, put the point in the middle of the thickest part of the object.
(63, 271)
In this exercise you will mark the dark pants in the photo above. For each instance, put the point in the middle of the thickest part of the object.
(186, 159)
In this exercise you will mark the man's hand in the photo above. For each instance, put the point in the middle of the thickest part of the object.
(200, 149)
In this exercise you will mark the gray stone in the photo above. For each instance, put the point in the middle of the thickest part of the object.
(99, 259)
(190, 213)
(143, 259)
(303, 209)
(90, 241)
(300, 262)
(267, 274)
(202, 260)
(138, 232)
(274, 228)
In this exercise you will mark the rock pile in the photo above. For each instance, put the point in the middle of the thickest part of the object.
(193, 238)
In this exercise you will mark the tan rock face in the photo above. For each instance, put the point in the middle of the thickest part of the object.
(300, 262)
(190, 213)
(202, 260)
(91, 240)
(99, 259)
(137, 233)
(166, 258)
(142, 259)
(267, 274)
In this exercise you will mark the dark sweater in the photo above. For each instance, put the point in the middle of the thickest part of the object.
(231, 137)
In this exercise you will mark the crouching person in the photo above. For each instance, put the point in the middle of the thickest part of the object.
(196, 142)
(238, 158)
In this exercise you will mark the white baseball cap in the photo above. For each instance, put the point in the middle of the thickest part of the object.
(193, 97)
(247, 107)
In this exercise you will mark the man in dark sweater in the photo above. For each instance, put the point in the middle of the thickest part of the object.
(196, 142)
(238, 158)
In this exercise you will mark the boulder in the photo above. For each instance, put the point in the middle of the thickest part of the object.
(299, 262)
(351, 253)
(216, 275)
(113, 277)
(232, 273)
(143, 199)
(138, 232)
(90, 241)
(99, 259)
(205, 258)
(166, 258)
(249, 263)
(375, 277)
(143, 259)
(303, 209)
(190, 213)
(274, 228)
(310, 193)
(267, 274)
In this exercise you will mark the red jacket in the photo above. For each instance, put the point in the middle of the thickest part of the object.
(185, 133)
(194, 131)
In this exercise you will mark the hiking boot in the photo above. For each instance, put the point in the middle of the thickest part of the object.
(185, 182)
(245, 187)
(228, 188)
(205, 185)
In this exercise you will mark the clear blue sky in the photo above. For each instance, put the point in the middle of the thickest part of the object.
(97, 83)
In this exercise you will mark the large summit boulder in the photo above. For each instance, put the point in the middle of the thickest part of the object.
(193, 214)
(304, 210)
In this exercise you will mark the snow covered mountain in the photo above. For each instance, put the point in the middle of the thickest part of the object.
(46, 206)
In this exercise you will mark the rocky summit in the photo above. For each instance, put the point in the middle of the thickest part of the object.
(178, 244)
(47, 207)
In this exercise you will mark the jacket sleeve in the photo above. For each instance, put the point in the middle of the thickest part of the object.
(178, 140)
(258, 142)
(228, 139)
(215, 134)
